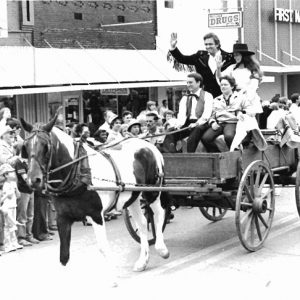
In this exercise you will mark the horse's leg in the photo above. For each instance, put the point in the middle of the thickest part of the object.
(104, 249)
(141, 222)
(64, 229)
(159, 217)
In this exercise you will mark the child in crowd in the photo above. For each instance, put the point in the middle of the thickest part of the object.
(8, 204)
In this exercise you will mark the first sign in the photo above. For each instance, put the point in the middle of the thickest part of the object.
(225, 20)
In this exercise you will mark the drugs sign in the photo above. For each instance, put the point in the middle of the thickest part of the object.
(225, 20)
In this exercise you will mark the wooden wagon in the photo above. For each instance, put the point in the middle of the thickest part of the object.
(242, 181)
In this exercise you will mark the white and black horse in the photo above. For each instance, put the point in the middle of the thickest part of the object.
(139, 162)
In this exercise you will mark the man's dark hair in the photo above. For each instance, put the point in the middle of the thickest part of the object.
(197, 77)
(126, 112)
(230, 79)
(150, 114)
(79, 129)
(295, 97)
(213, 36)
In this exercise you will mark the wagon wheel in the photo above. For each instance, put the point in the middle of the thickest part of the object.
(213, 213)
(255, 205)
(134, 231)
(297, 188)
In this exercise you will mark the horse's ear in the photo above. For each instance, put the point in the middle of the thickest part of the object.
(48, 127)
(27, 127)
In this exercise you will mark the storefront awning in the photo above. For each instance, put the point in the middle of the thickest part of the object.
(27, 70)
(294, 69)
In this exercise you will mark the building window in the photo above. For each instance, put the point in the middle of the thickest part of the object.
(169, 4)
(225, 5)
(27, 13)
(121, 19)
(78, 16)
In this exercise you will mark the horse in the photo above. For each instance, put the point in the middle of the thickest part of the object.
(138, 162)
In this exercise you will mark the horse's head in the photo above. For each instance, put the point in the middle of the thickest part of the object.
(37, 148)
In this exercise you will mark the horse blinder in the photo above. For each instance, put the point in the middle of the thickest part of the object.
(24, 153)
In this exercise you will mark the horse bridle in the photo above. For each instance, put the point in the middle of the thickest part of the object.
(45, 170)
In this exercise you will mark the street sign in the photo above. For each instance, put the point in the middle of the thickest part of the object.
(225, 20)
(121, 91)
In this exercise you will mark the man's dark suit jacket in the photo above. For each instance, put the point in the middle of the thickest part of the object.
(200, 61)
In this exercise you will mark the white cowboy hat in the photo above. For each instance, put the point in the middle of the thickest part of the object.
(5, 129)
(6, 168)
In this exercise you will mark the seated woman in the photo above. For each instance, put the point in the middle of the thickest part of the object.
(228, 108)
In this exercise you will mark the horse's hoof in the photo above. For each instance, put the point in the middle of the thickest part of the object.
(139, 267)
(164, 253)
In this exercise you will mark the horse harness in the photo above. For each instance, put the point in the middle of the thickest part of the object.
(70, 184)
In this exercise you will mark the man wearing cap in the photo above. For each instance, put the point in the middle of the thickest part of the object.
(195, 109)
(205, 62)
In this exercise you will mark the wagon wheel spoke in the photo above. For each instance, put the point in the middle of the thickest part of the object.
(252, 184)
(257, 179)
(247, 215)
(262, 220)
(258, 228)
(249, 196)
(220, 210)
(267, 193)
(247, 227)
(214, 211)
(252, 229)
(263, 183)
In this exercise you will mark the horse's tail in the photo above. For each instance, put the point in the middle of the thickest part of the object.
(147, 168)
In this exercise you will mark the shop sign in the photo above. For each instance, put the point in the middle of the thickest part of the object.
(225, 20)
(287, 15)
(114, 92)
(3, 19)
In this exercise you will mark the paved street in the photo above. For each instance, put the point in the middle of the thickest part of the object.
(206, 260)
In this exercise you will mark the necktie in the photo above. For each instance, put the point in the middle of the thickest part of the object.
(189, 104)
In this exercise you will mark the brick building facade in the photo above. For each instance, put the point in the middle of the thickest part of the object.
(276, 43)
(95, 24)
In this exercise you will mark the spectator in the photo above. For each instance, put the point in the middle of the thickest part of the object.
(153, 129)
(8, 204)
(134, 128)
(294, 108)
(163, 108)
(278, 111)
(169, 114)
(25, 207)
(100, 136)
(105, 126)
(115, 126)
(70, 129)
(144, 127)
(151, 108)
(5, 114)
(7, 151)
(126, 116)
(40, 227)
(124, 130)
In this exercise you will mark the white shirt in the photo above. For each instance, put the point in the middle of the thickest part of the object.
(295, 111)
(274, 118)
(212, 63)
(208, 105)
